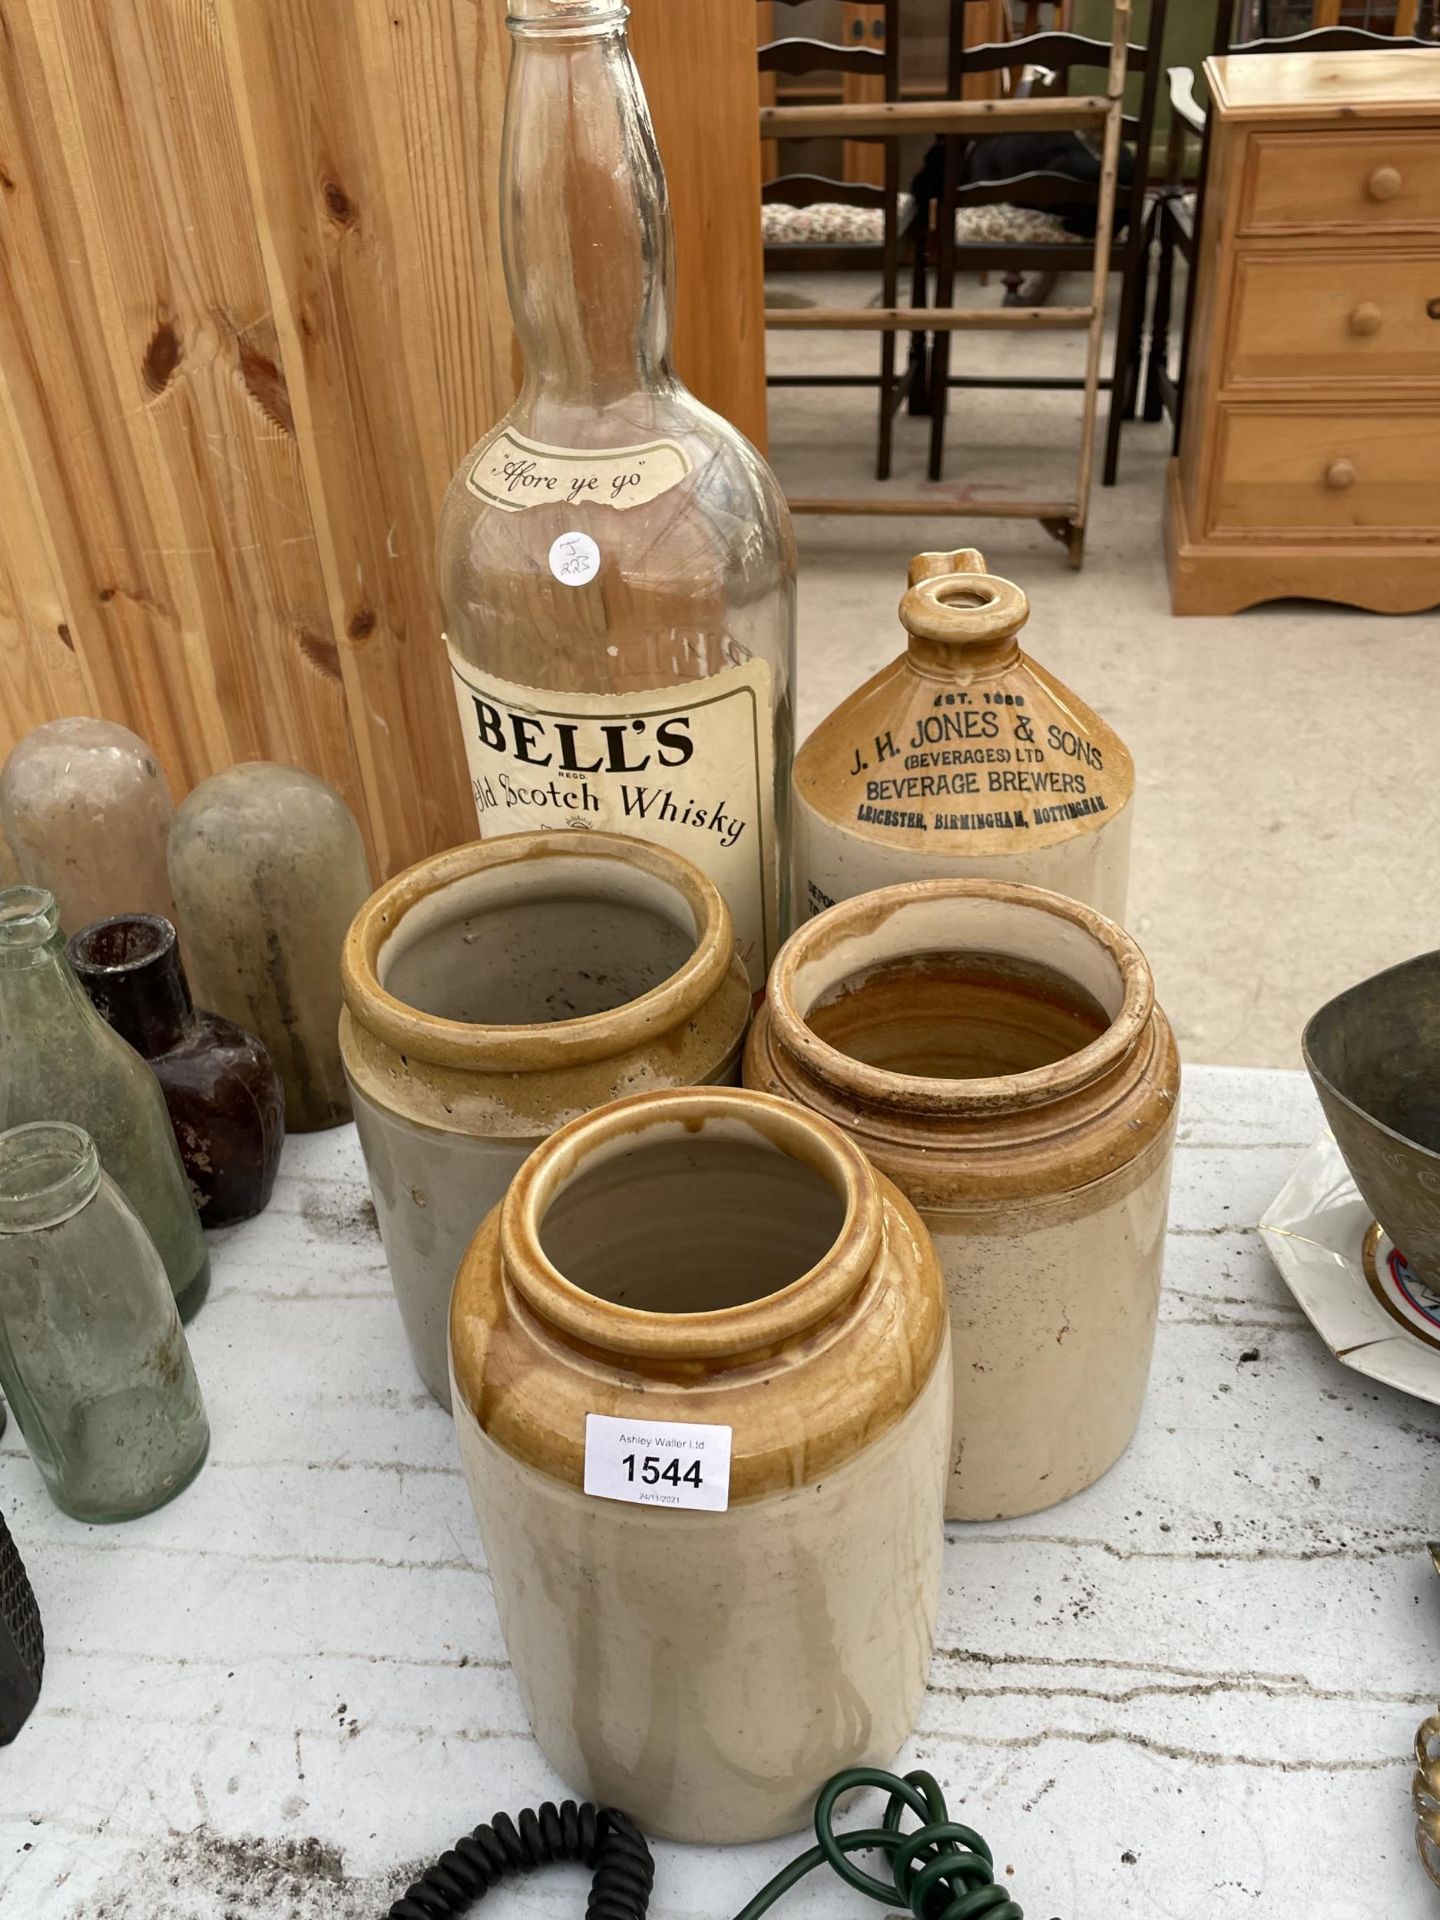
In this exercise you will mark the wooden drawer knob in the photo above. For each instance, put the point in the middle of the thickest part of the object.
(1365, 319)
(1384, 183)
(1340, 474)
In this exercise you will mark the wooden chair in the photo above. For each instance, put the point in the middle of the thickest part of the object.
(1050, 192)
(810, 222)
(1175, 218)
(1063, 513)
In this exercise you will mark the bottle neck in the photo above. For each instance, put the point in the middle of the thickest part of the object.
(130, 967)
(49, 1170)
(585, 222)
(36, 980)
(950, 660)
(962, 624)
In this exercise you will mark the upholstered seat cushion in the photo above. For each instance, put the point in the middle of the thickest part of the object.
(828, 224)
(1005, 225)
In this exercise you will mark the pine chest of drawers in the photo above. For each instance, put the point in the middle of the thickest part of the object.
(1309, 458)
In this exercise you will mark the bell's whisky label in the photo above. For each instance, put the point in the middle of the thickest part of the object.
(689, 768)
(514, 473)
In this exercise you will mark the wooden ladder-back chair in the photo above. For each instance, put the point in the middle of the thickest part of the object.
(810, 222)
(1175, 218)
(1027, 222)
(1063, 516)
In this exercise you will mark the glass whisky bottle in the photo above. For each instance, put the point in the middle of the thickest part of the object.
(616, 562)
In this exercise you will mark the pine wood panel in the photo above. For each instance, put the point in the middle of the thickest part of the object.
(1338, 315)
(251, 315)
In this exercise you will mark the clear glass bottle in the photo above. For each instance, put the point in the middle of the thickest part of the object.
(61, 1062)
(616, 562)
(92, 1354)
(87, 811)
(269, 870)
(226, 1103)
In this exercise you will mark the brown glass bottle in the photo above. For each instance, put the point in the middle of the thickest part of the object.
(224, 1095)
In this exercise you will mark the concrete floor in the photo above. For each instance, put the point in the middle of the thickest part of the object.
(1285, 835)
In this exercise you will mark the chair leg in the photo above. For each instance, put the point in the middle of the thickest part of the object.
(1139, 270)
(917, 366)
(1158, 358)
(939, 401)
(1120, 370)
(944, 297)
(887, 406)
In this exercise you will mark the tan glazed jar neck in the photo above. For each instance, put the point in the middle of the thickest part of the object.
(691, 1332)
(707, 1255)
(1057, 1110)
(492, 877)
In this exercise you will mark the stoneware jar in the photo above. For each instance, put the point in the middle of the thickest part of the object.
(494, 992)
(997, 1050)
(963, 758)
(702, 1390)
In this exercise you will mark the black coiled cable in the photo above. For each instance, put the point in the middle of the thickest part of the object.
(939, 1870)
(607, 1842)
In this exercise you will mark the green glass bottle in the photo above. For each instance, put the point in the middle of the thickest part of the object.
(60, 1061)
(92, 1353)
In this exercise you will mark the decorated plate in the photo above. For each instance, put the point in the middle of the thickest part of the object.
(1354, 1285)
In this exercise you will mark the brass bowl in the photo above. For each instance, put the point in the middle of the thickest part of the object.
(1374, 1055)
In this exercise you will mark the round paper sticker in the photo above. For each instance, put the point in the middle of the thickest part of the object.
(574, 559)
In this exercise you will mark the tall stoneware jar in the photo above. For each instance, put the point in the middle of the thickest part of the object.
(702, 1390)
(494, 992)
(997, 1050)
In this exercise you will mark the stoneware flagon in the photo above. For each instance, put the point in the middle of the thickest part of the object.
(495, 991)
(962, 758)
(998, 1052)
(719, 1263)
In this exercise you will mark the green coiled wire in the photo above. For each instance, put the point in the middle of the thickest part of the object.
(939, 1870)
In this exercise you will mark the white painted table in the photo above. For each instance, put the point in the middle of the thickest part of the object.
(1190, 1691)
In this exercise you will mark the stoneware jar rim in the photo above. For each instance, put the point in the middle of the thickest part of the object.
(735, 1332)
(481, 1047)
(915, 1093)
